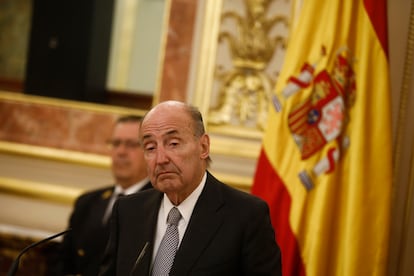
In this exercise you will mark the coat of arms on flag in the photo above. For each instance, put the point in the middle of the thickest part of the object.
(321, 118)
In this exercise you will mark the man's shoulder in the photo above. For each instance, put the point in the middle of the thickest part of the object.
(100, 193)
(147, 186)
(143, 197)
(143, 194)
(230, 192)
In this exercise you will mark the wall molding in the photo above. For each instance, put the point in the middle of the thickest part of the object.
(94, 107)
(61, 155)
(36, 190)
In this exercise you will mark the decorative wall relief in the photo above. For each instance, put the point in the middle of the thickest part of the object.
(250, 46)
(239, 53)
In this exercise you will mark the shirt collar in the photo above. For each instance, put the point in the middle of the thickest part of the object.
(186, 207)
(132, 189)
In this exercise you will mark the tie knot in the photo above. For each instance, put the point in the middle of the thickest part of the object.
(173, 216)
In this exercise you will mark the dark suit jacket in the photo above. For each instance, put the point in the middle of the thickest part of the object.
(82, 248)
(229, 233)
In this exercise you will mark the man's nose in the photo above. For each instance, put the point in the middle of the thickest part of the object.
(162, 156)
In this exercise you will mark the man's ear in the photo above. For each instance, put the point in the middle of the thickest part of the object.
(205, 146)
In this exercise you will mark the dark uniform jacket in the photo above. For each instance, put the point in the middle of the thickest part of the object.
(82, 248)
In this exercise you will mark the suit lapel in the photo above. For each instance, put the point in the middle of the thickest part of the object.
(146, 234)
(204, 223)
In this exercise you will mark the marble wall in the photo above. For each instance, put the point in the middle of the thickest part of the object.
(175, 73)
(69, 126)
(55, 126)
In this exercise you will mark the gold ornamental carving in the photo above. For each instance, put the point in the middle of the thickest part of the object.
(245, 89)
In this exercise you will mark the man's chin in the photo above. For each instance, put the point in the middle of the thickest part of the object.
(122, 176)
(166, 175)
(166, 180)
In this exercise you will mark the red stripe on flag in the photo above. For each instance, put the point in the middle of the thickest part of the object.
(377, 12)
(270, 187)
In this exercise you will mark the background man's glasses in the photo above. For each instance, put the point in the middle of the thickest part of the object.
(129, 144)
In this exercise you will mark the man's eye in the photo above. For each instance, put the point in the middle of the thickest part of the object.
(149, 148)
(173, 144)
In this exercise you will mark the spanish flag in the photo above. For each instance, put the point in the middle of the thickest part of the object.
(325, 167)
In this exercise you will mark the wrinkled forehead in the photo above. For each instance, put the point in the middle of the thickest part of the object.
(166, 120)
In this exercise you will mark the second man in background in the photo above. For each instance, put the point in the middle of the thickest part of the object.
(83, 247)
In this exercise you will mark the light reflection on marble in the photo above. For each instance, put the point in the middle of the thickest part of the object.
(56, 127)
(178, 50)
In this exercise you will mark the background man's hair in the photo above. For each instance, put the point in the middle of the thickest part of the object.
(129, 118)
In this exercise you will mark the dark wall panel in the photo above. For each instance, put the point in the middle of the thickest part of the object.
(69, 49)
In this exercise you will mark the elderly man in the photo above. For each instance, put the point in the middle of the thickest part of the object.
(191, 223)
